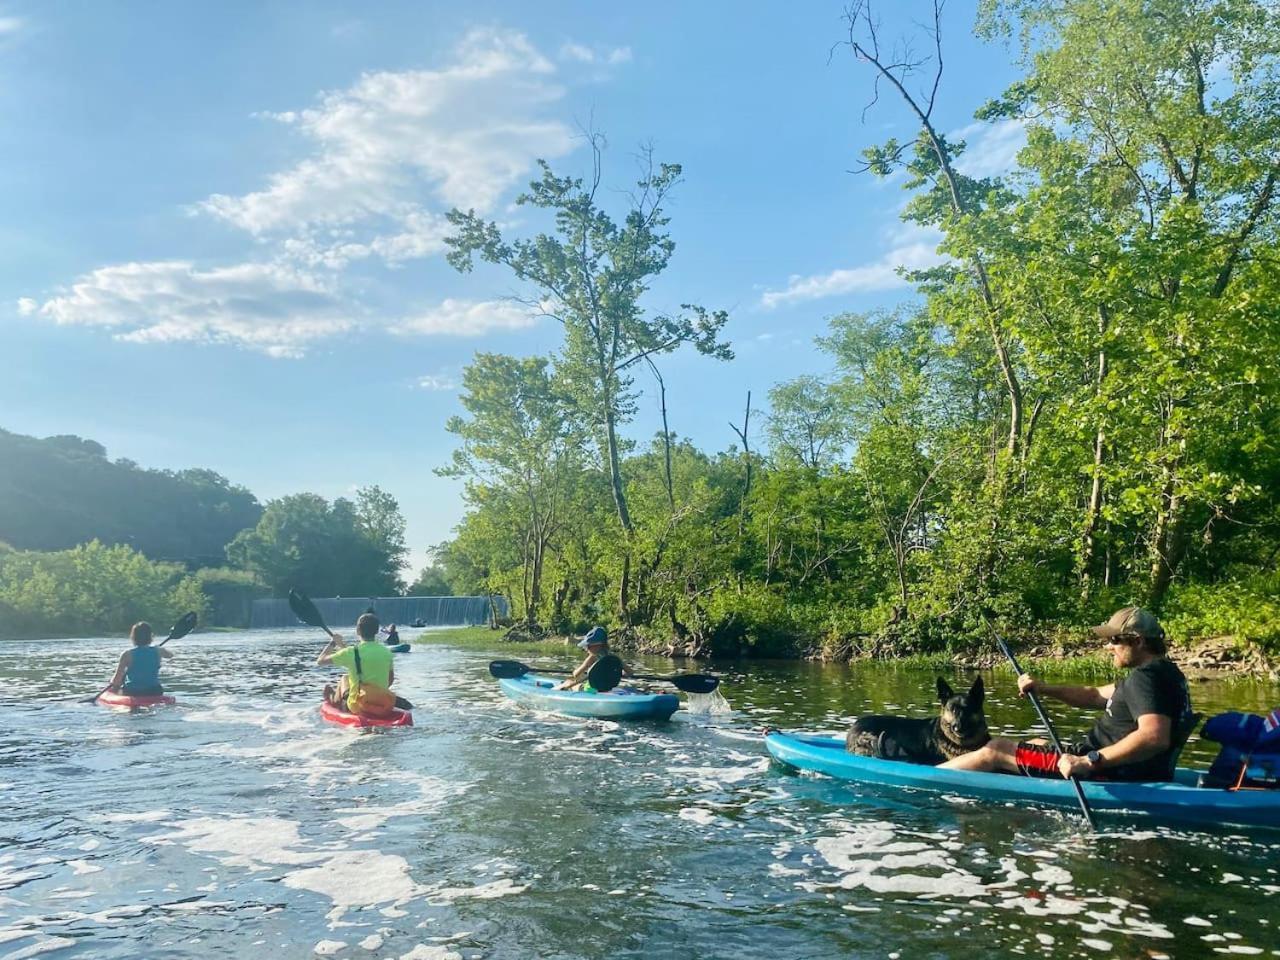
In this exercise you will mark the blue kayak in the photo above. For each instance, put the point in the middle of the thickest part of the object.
(1177, 800)
(621, 703)
(399, 648)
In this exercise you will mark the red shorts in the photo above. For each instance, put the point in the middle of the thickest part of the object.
(1038, 759)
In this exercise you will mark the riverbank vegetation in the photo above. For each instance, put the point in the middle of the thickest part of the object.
(1078, 412)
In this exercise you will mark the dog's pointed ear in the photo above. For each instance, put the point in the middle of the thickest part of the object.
(945, 692)
(977, 692)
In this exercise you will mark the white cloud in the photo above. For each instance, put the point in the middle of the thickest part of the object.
(274, 309)
(991, 148)
(583, 54)
(576, 51)
(27, 306)
(882, 274)
(469, 318)
(9, 25)
(437, 382)
(396, 141)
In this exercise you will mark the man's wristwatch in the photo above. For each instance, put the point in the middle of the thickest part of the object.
(1094, 758)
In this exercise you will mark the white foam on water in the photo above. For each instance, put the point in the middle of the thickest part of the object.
(372, 942)
(358, 878)
(862, 850)
(1197, 921)
(80, 867)
(327, 948)
(142, 816)
(1100, 945)
(424, 952)
(69, 895)
(47, 945)
(93, 843)
(503, 887)
(251, 842)
(711, 778)
(697, 815)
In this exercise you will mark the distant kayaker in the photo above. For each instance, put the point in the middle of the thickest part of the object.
(369, 665)
(138, 672)
(393, 637)
(1134, 737)
(596, 643)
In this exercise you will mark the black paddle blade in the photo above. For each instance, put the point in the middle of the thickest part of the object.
(305, 610)
(507, 669)
(185, 625)
(695, 682)
(605, 674)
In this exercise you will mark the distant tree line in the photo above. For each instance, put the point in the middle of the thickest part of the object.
(88, 544)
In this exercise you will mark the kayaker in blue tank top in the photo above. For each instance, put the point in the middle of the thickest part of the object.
(138, 672)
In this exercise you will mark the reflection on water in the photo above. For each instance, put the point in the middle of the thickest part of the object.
(239, 824)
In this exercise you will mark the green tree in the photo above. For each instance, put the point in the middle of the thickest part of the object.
(521, 442)
(591, 275)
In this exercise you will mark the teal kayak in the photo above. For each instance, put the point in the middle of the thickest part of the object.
(1177, 800)
(619, 704)
(399, 648)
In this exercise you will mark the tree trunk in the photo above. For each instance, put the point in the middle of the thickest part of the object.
(1087, 546)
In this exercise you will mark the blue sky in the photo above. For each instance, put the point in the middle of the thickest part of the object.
(222, 224)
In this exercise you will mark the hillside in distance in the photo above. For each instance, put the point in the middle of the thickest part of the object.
(61, 491)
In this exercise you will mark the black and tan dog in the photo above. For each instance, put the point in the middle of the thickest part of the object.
(962, 727)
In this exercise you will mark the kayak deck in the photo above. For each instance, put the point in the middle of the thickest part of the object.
(124, 701)
(622, 703)
(1177, 800)
(398, 718)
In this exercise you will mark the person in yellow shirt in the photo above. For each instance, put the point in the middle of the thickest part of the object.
(368, 662)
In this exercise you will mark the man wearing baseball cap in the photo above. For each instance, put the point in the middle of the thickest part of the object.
(1134, 736)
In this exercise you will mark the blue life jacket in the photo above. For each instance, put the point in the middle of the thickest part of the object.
(1250, 754)
(142, 676)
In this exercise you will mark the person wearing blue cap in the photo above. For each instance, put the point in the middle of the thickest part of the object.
(596, 643)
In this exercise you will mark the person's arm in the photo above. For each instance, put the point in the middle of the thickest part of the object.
(122, 665)
(580, 673)
(1085, 697)
(165, 653)
(1153, 736)
(391, 676)
(333, 646)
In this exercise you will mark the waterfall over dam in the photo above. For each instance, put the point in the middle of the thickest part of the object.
(341, 612)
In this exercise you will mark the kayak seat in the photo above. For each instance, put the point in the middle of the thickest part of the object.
(1181, 734)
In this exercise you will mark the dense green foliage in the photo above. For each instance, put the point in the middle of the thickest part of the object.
(58, 492)
(123, 523)
(326, 549)
(1080, 411)
(90, 589)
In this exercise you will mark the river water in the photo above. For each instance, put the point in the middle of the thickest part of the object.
(239, 825)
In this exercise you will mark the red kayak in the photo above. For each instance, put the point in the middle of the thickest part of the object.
(398, 718)
(110, 699)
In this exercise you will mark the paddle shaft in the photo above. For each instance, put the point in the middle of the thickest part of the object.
(1053, 734)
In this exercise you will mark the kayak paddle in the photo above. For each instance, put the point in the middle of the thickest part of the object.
(308, 613)
(186, 623)
(1044, 719)
(688, 682)
(603, 676)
